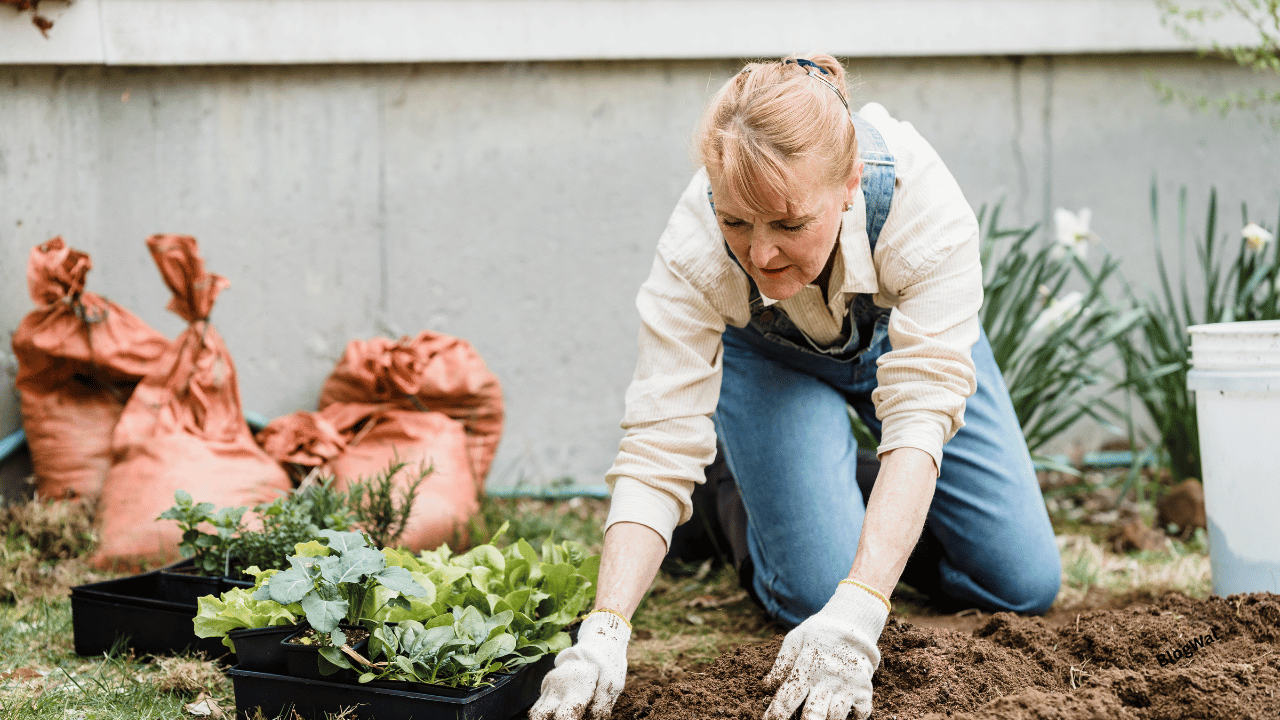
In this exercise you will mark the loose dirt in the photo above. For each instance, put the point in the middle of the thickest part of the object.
(1172, 658)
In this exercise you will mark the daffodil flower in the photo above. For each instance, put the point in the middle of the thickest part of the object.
(1058, 312)
(1256, 237)
(1073, 233)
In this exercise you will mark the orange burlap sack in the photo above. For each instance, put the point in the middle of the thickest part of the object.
(183, 429)
(429, 372)
(79, 358)
(359, 440)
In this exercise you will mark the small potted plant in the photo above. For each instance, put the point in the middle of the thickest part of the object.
(332, 585)
(507, 609)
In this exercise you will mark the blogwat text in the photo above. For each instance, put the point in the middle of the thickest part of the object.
(1188, 649)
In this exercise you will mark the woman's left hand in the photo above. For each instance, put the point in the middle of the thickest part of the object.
(827, 661)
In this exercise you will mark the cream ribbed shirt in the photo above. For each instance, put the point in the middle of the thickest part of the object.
(926, 268)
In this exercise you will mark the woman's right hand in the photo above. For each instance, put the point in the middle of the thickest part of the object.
(588, 676)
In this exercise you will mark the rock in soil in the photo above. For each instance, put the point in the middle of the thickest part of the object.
(1172, 659)
(1135, 535)
(1183, 507)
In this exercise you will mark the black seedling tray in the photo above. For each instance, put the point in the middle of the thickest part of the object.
(182, 584)
(130, 611)
(508, 696)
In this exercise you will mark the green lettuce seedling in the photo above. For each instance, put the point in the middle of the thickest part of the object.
(237, 609)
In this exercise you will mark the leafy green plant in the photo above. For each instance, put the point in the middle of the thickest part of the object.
(462, 648)
(1049, 345)
(212, 551)
(332, 583)
(505, 607)
(290, 520)
(546, 590)
(286, 521)
(381, 509)
(1156, 361)
(238, 609)
(323, 505)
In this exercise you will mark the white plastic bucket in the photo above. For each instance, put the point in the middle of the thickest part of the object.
(1236, 381)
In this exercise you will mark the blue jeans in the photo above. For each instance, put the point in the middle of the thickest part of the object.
(783, 426)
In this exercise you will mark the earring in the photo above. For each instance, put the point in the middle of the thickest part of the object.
(848, 207)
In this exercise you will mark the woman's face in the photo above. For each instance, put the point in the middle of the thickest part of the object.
(788, 248)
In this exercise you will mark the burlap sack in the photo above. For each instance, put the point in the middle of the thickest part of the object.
(429, 372)
(79, 358)
(183, 428)
(359, 440)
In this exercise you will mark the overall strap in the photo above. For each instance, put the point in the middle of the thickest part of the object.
(878, 176)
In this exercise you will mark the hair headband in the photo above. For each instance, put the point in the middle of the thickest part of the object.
(811, 66)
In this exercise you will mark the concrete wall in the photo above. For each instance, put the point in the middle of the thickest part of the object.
(518, 204)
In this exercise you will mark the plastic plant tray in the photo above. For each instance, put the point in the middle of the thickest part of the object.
(181, 583)
(278, 695)
(129, 612)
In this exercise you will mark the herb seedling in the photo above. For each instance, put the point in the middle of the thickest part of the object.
(381, 511)
(212, 551)
(287, 521)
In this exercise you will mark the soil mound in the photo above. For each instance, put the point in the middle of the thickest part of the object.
(1172, 659)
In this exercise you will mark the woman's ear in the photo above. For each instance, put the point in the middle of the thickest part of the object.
(851, 187)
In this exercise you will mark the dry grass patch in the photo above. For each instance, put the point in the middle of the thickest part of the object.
(187, 675)
(55, 530)
(44, 549)
(1087, 565)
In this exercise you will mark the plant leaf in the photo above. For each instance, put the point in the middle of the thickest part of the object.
(559, 641)
(399, 579)
(311, 548)
(290, 586)
(324, 615)
(343, 542)
(355, 564)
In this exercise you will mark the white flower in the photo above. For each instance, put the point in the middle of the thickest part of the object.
(1073, 232)
(1058, 312)
(1256, 236)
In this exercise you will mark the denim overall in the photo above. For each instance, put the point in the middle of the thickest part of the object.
(783, 429)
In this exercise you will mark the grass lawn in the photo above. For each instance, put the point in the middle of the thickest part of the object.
(685, 621)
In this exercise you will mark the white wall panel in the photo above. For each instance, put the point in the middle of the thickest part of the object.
(203, 32)
(518, 204)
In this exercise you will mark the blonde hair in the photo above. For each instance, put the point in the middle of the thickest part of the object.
(768, 116)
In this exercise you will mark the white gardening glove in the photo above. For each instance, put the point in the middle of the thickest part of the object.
(588, 675)
(829, 659)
